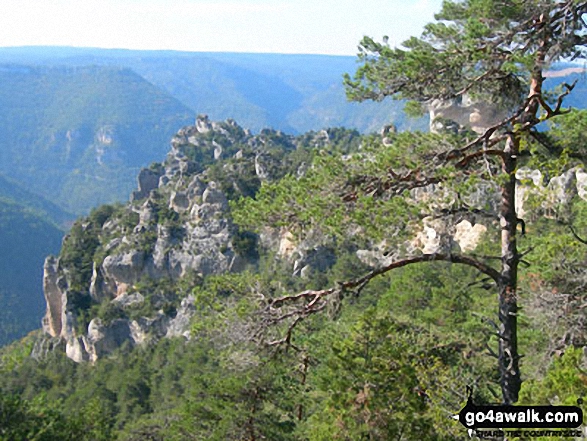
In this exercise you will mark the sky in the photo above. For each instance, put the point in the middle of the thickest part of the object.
(276, 26)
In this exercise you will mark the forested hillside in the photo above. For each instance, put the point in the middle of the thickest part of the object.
(10, 189)
(77, 136)
(97, 116)
(334, 285)
(380, 360)
(26, 237)
(293, 93)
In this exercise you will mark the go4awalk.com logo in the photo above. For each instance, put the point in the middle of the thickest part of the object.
(501, 417)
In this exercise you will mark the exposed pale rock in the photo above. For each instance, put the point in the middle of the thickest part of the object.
(54, 286)
(196, 189)
(428, 240)
(179, 201)
(101, 289)
(179, 326)
(260, 168)
(387, 133)
(560, 191)
(287, 245)
(147, 213)
(581, 183)
(148, 180)
(212, 195)
(126, 300)
(435, 237)
(484, 197)
(112, 244)
(371, 258)
(75, 349)
(145, 329)
(529, 183)
(121, 271)
(524, 174)
(217, 150)
(468, 236)
(465, 112)
(124, 267)
(164, 180)
(435, 195)
(203, 124)
(103, 340)
(46, 344)
(104, 135)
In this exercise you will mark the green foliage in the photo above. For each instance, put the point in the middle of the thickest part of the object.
(371, 386)
(78, 252)
(40, 420)
(245, 244)
(20, 420)
(564, 383)
(394, 362)
(12, 355)
(236, 177)
(78, 136)
(569, 132)
(331, 180)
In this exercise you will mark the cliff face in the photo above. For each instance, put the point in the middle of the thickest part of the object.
(116, 280)
(125, 273)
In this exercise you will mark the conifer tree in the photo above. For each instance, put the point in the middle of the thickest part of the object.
(487, 51)
(494, 51)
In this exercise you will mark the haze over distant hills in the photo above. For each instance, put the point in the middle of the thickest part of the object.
(294, 93)
(78, 135)
(25, 239)
(77, 124)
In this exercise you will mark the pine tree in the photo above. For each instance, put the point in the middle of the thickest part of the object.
(487, 51)
(495, 51)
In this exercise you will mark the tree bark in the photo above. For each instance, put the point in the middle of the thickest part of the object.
(509, 368)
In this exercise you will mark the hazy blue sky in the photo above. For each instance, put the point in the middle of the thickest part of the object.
(286, 26)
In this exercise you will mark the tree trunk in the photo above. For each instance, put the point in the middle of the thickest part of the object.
(509, 358)
(509, 369)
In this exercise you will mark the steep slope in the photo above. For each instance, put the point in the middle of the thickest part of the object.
(9, 189)
(77, 136)
(124, 273)
(30, 228)
(294, 93)
(177, 307)
(25, 239)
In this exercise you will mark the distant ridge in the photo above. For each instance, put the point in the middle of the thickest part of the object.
(564, 72)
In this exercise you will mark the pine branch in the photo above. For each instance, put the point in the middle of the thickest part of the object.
(317, 300)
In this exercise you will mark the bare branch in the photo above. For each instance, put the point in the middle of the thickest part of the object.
(317, 300)
(583, 241)
(487, 320)
(482, 153)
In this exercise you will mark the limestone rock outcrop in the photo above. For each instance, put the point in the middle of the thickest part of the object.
(116, 280)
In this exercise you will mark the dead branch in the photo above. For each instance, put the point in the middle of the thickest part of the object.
(316, 300)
